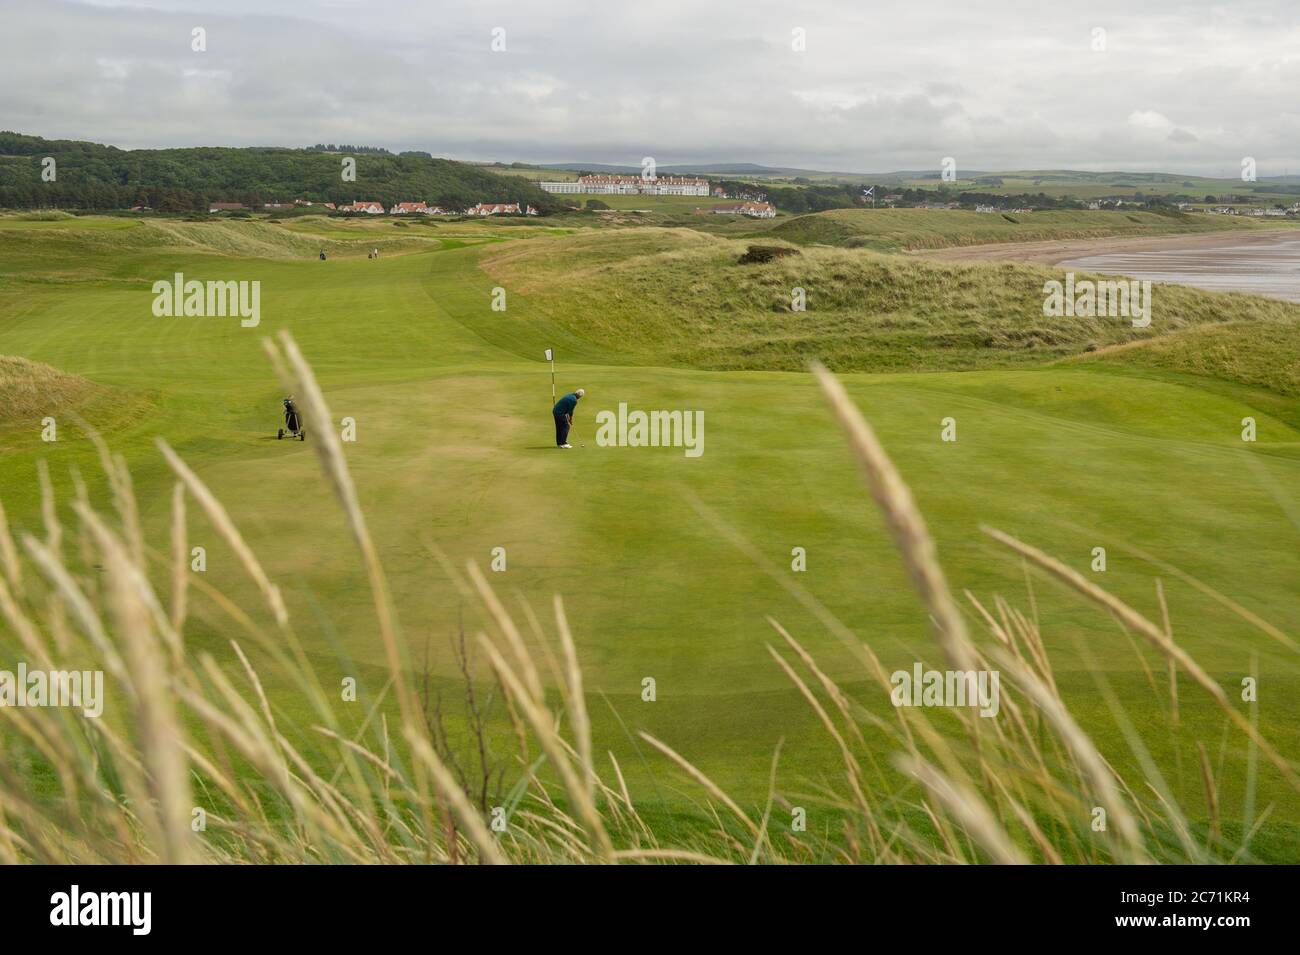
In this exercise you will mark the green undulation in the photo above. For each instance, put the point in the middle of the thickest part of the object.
(669, 566)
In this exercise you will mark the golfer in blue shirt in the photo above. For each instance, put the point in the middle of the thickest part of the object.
(563, 412)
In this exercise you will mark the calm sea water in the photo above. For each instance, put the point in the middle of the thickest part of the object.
(1258, 264)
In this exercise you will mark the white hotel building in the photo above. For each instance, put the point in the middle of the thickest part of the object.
(630, 186)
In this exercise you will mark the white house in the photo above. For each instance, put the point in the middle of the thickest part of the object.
(407, 208)
(630, 186)
(755, 210)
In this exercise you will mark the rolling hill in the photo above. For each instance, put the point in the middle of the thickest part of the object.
(679, 297)
(894, 230)
(93, 176)
(454, 455)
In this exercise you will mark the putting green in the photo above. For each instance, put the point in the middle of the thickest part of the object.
(454, 450)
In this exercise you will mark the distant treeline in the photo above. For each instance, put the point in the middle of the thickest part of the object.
(331, 148)
(813, 198)
(820, 197)
(92, 176)
(1036, 200)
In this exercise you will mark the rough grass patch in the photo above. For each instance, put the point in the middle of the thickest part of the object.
(30, 390)
(765, 253)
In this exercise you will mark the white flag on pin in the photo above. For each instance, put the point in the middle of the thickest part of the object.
(548, 355)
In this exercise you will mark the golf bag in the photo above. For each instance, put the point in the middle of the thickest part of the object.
(292, 422)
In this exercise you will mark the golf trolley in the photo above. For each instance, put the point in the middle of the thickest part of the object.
(292, 422)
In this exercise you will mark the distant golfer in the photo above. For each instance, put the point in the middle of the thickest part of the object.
(563, 412)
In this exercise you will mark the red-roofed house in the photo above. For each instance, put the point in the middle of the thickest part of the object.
(494, 208)
(757, 210)
(371, 208)
(406, 208)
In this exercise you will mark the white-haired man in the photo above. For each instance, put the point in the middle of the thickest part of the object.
(563, 412)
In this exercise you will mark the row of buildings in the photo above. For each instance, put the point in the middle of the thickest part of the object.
(423, 209)
(608, 185)
(629, 186)
(1274, 212)
(399, 209)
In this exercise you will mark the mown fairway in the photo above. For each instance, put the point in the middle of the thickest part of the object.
(454, 452)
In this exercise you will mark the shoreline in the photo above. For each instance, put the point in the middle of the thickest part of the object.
(1056, 251)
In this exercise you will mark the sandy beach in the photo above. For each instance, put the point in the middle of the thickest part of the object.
(1266, 262)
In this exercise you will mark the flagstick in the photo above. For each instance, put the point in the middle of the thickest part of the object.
(550, 356)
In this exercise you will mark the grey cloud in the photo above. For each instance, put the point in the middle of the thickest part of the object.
(998, 84)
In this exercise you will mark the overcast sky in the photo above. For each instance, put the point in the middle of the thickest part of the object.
(1187, 86)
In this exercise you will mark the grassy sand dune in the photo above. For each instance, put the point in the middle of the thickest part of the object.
(30, 390)
(1259, 354)
(679, 297)
(890, 230)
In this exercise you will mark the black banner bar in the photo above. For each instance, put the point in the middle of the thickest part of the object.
(334, 904)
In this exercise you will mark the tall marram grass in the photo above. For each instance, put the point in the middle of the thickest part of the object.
(199, 730)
